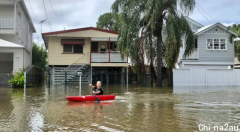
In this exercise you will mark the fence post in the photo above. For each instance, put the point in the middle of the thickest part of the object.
(25, 77)
(65, 78)
(80, 83)
(49, 76)
(101, 78)
(127, 77)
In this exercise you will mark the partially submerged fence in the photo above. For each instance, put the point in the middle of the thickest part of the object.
(34, 77)
(133, 78)
(4, 77)
(206, 77)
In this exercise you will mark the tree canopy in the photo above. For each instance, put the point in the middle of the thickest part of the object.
(109, 21)
(236, 28)
(39, 56)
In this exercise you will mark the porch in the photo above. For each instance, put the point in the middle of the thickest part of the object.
(11, 57)
(104, 50)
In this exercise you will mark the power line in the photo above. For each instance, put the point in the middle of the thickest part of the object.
(33, 13)
(204, 15)
(35, 19)
(46, 15)
(206, 12)
(56, 14)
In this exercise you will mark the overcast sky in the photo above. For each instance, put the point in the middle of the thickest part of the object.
(85, 13)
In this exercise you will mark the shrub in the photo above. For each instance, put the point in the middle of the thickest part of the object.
(18, 80)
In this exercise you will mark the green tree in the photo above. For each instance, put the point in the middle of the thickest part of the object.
(163, 23)
(109, 21)
(39, 56)
(236, 28)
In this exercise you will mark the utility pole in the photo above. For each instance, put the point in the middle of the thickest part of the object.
(42, 23)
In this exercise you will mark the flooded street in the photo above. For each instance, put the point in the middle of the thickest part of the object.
(135, 109)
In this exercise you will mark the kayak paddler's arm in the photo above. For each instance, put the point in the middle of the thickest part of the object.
(96, 92)
(91, 85)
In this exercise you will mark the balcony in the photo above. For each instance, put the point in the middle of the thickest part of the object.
(6, 23)
(106, 57)
(103, 50)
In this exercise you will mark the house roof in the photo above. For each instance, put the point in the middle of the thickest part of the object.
(206, 28)
(6, 44)
(45, 35)
(80, 29)
(193, 21)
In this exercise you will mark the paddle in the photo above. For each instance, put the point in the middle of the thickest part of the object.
(96, 98)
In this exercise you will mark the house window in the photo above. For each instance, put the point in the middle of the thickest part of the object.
(70, 48)
(77, 48)
(222, 43)
(67, 48)
(209, 44)
(216, 44)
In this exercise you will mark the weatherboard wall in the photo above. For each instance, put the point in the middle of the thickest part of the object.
(57, 57)
(86, 33)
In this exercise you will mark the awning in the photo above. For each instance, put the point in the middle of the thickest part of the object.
(4, 43)
(73, 41)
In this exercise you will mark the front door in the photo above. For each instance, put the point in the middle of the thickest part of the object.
(95, 46)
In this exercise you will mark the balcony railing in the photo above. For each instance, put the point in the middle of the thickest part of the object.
(6, 23)
(101, 57)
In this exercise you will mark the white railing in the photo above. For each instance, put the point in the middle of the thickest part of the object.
(104, 57)
(6, 23)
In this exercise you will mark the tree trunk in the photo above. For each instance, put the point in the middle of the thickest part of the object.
(159, 60)
(152, 70)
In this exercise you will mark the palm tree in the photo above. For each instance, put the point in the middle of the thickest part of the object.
(164, 19)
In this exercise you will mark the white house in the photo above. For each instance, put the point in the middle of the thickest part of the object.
(212, 62)
(16, 31)
(213, 49)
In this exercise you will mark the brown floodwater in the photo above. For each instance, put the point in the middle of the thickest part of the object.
(136, 108)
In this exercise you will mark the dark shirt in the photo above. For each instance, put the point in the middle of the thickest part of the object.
(103, 49)
(97, 90)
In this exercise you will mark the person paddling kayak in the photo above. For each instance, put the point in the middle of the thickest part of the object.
(97, 89)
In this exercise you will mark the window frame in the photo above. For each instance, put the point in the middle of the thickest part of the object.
(72, 52)
(77, 45)
(219, 41)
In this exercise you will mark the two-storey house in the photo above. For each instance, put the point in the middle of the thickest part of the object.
(16, 31)
(213, 48)
(90, 50)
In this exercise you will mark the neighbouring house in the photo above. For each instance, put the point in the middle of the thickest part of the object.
(16, 31)
(212, 62)
(213, 49)
(89, 50)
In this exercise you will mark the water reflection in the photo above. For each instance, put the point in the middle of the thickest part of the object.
(88, 104)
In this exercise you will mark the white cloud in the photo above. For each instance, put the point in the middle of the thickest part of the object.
(85, 13)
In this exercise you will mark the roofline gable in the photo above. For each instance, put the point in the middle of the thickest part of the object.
(214, 25)
(195, 22)
(80, 29)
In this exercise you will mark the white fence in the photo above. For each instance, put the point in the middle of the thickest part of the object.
(206, 77)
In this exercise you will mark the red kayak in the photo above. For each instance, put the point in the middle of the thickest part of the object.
(91, 98)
